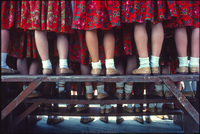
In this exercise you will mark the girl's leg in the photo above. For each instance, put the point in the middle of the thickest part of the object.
(4, 48)
(109, 48)
(157, 41)
(22, 66)
(93, 48)
(85, 70)
(141, 39)
(43, 50)
(62, 46)
(181, 41)
(194, 59)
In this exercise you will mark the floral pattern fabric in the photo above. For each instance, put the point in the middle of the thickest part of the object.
(188, 15)
(10, 14)
(150, 10)
(93, 14)
(55, 16)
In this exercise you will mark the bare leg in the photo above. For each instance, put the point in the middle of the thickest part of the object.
(22, 66)
(92, 44)
(4, 40)
(181, 41)
(157, 38)
(131, 65)
(195, 43)
(35, 67)
(42, 44)
(109, 44)
(140, 35)
(62, 46)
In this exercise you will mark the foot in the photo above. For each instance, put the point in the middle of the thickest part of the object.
(102, 95)
(65, 71)
(8, 71)
(107, 111)
(101, 111)
(96, 72)
(128, 96)
(148, 120)
(129, 110)
(86, 120)
(89, 96)
(194, 70)
(53, 121)
(47, 71)
(152, 110)
(112, 72)
(158, 93)
(182, 70)
(160, 116)
(142, 71)
(159, 109)
(70, 107)
(120, 120)
(168, 94)
(140, 120)
(188, 94)
(119, 96)
(80, 109)
(104, 119)
(137, 109)
(155, 71)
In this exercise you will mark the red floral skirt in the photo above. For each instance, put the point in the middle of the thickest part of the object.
(10, 14)
(22, 44)
(93, 14)
(187, 15)
(150, 10)
(55, 16)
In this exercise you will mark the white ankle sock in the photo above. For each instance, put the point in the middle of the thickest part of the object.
(194, 62)
(159, 105)
(61, 86)
(183, 61)
(109, 63)
(152, 105)
(46, 64)
(96, 64)
(3, 60)
(120, 85)
(154, 61)
(129, 106)
(128, 88)
(108, 106)
(63, 63)
(102, 107)
(144, 62)
(158, 87)
(187, 86)
(100, 89)
(89, 89)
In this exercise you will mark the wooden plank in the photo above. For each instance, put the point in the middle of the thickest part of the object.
(27, 112)
(182, 99)
(94, 111)
(89, 78)
(13, 104)
(82, 100)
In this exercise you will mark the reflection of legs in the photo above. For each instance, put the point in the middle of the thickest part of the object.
(194, 59)
(109, 48)
(157, 41)
(43, 50)
(181, 45)
(85, 70)
(141, 39)
(131, 65)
